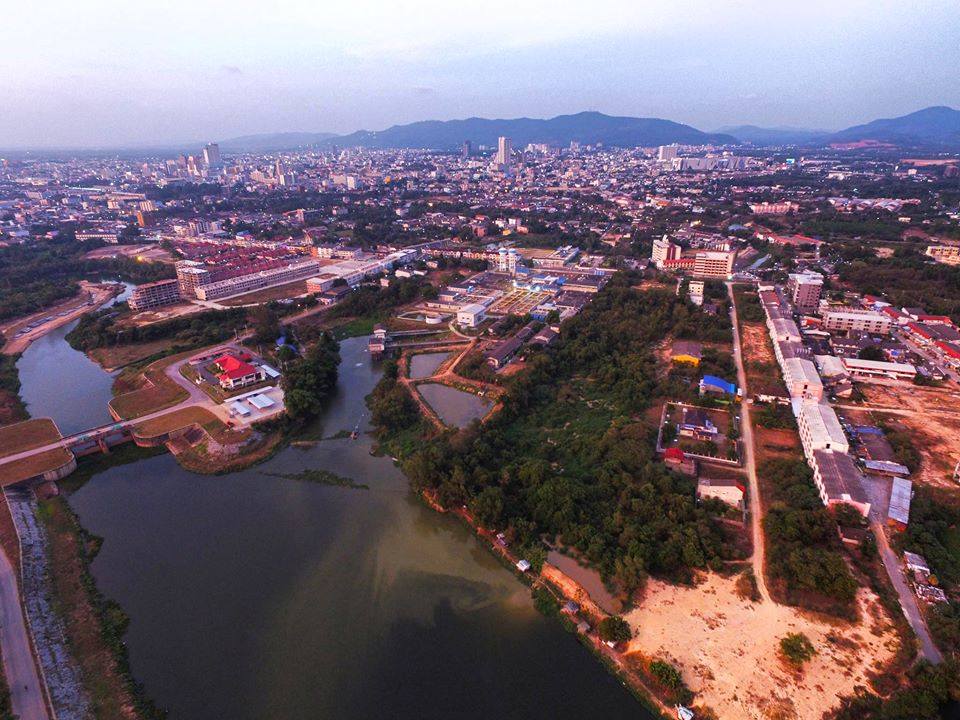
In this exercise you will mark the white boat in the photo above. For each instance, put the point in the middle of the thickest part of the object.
(684, 713)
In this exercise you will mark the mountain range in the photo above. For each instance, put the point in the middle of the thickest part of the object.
(939, 126)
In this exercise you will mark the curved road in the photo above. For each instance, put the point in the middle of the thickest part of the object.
(750, 464)
(26, 693)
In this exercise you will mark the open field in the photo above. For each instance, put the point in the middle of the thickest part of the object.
(28, 467)
(143, 253)
(113, 358)
(190, 416)
(27, 435)
(142, 393)
(279, 292)
(728, 649)
(931, 416)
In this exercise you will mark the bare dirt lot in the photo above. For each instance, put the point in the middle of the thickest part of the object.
(931, 416)
(728, 649)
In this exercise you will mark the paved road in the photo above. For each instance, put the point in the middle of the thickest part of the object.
(927, 355)
(908, 601)
(26, 693)
(750, 464)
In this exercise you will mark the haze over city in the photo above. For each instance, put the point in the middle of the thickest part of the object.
(111, 74)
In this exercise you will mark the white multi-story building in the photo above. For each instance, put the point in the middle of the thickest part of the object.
(663, 250)
(820, 428)
(805, 290)
(714, 264)
(802, 379)
(848, 319)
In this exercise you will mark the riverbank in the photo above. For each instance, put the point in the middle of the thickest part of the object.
(564, 590)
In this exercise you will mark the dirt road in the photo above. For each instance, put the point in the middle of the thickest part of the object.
(749, 461)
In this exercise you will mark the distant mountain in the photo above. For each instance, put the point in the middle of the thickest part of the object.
(585, 127)
(773, 136)
(273, 142)
(935, 125)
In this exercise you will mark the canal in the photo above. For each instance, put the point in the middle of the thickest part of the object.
(256, 594)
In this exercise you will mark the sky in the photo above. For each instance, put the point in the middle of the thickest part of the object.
(101, 73)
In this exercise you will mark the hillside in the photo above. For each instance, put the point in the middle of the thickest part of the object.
(585, 127)
(934, 125)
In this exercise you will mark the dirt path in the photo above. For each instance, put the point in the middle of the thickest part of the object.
(749, 461)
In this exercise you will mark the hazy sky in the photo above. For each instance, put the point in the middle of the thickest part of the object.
(99, 72)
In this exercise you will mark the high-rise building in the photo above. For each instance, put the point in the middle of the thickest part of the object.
(466, 149)
(805, 289)
(667, 152)
(664, 250)
(504, 151)
(211, 156)
(714, 264)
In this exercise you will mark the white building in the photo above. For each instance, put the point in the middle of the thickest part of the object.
(851, 319)
(820, 428)
(714, 264)
(870, 369)
(471, 315)
(802, 379)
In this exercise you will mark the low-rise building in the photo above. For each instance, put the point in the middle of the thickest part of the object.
(471, 315)
(844, 320)
(838, 480)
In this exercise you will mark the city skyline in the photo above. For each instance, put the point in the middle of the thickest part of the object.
(86, 77)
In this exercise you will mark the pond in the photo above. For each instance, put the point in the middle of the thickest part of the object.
(455, 407)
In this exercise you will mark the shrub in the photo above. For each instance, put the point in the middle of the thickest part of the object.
(797, 649)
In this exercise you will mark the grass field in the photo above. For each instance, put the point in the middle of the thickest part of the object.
(29, 467)
(120, 356)
(280, 292)
(180, 418)
(27, 435)
(142, 393)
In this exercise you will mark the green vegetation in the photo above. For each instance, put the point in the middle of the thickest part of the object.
(944, 622)
(908, 280)
(774, 416)
(101, 329)
(796, 649)
(670, 680)
(614, 629)
(568, 457)
(309, 381)
(929, 689)
(320, 477)
(746, 586)
(933, 533)
(36, 275)
(374, 301)
(804, 556)
(12, 408)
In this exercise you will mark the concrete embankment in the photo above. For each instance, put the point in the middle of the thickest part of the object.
(60, 671)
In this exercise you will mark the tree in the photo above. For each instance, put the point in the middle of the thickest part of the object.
(614, 629)
(871, 352)
(487, 506)
(266, 324)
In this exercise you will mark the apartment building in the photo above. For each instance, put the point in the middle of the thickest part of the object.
(838, 480)
(714, 264)
(820, 428)
(299, 270)
(155, 294)
(847, 319)
(664, 250)
(802, 379)
(946, 254)
(805, 290)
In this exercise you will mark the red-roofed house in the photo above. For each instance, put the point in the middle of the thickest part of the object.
(935, 319)
(235, 373)
(950, 350)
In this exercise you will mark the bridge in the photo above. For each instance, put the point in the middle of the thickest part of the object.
(100, 438)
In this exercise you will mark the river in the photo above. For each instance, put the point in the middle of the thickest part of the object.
(64, 384)
(254, 596)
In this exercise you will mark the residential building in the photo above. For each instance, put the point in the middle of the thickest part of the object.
(686, 351)
(155, 294)
(714, 264)
(664, 250)
(805, 290)
(838, 480)
(869, 321)
(820, 428)
(726, 490)
(946, 254)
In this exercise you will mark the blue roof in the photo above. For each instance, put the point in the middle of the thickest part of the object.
(714, 381)
(867, 430)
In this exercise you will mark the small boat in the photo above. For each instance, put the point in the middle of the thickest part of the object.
(684, 713)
